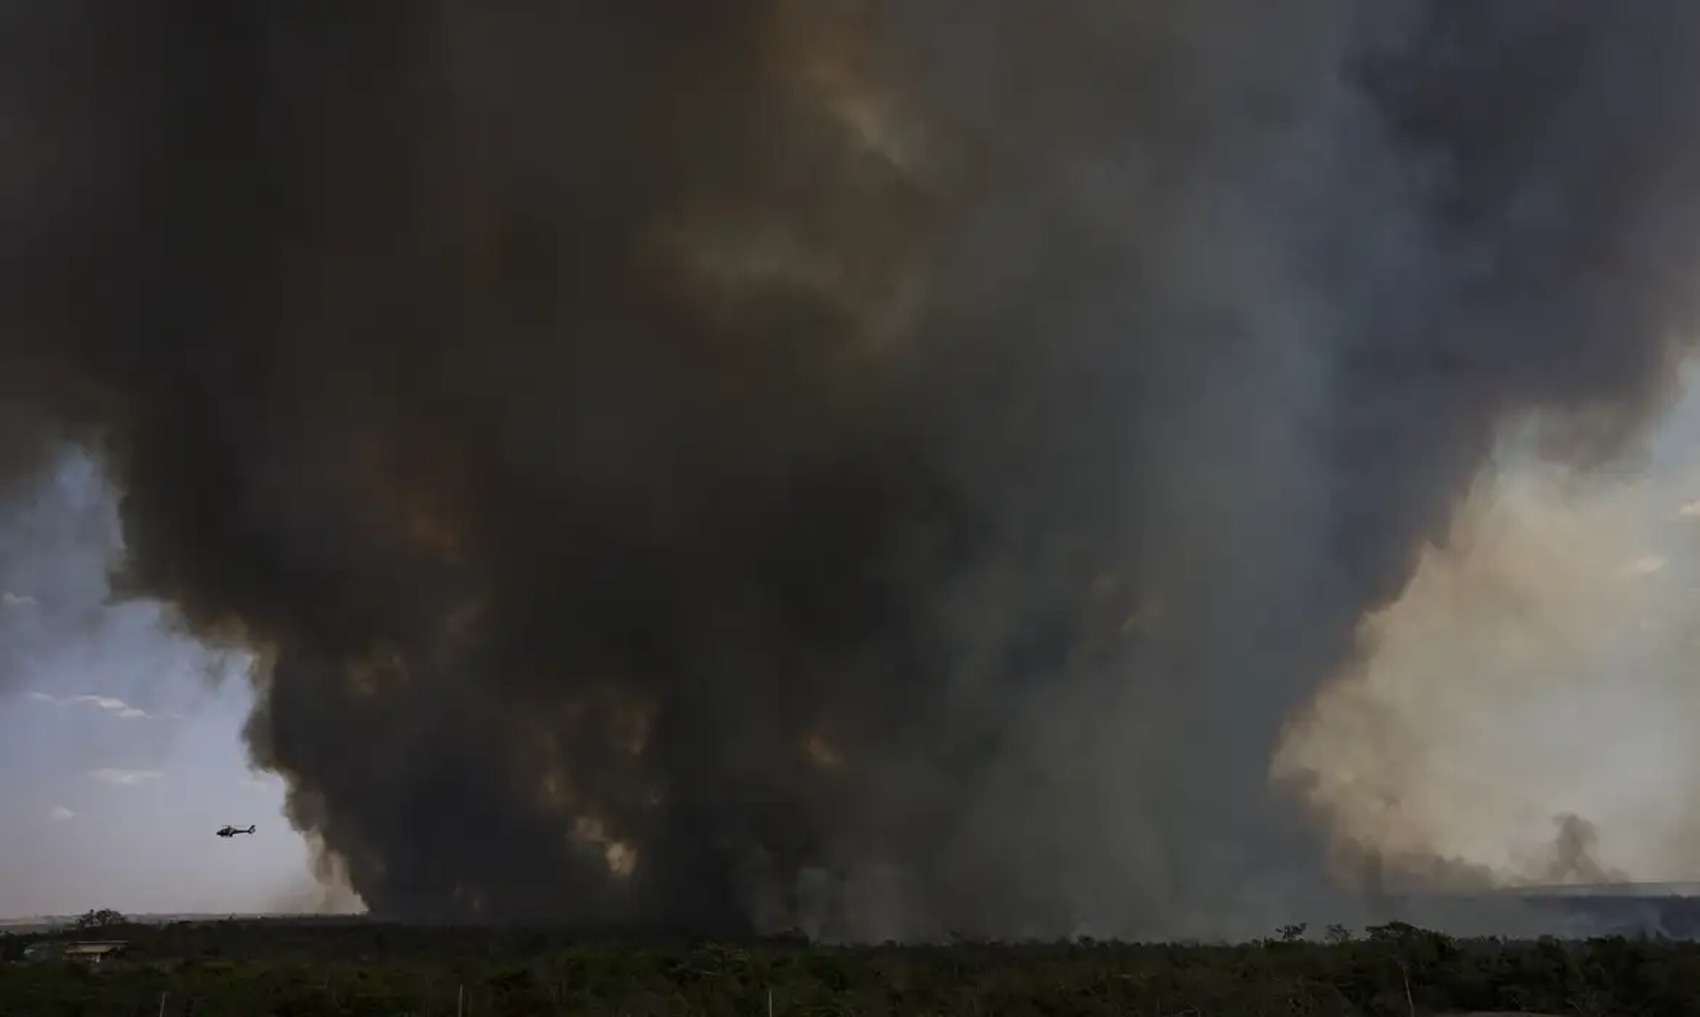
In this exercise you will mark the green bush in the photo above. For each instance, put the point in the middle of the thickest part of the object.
(306, 969)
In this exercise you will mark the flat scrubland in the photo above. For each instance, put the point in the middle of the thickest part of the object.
(256, 968)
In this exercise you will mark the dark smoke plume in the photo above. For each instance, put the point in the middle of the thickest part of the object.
(888, 468)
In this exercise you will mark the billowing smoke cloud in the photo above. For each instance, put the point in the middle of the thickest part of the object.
(880, 468)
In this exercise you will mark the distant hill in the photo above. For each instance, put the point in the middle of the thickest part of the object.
(48, 923)
(1657, 909)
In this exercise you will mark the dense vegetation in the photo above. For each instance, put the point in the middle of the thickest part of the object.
(253, 968)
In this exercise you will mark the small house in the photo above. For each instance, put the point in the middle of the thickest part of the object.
(86, 951)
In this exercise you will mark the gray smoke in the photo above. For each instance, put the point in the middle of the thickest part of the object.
(883, 468)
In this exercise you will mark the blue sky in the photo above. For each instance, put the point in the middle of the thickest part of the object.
(120, 752)
(120, 749)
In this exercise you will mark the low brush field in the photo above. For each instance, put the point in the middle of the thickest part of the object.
(307, 969)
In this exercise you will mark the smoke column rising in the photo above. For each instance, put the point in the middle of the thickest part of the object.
(884, 468)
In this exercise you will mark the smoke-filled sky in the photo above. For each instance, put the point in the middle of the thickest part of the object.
(111, 801)
(1006, 467)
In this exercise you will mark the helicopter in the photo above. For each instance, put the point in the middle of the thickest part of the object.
(231, 831)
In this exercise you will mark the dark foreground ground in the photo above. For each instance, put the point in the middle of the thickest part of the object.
(255, 968)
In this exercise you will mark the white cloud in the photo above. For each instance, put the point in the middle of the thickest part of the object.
(60, 814)
(108, 704)
(1642, 567)
(10, 599)
(125, 778)
(116, 707)
(104, 702)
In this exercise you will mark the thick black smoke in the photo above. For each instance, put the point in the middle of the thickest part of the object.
(719, 466)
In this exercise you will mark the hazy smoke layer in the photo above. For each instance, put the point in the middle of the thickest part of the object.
(1540, 663)
(883, 468)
